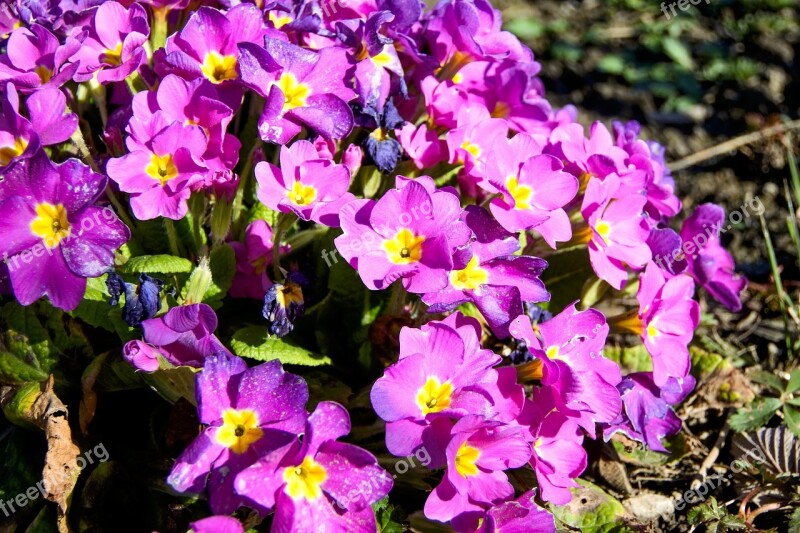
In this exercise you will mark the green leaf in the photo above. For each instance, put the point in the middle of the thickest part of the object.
(591, 510)
(678, 52)
(565, 276)
(223, 268)
(29, 351)
(767, 378)
(21, 466)
(632, 359)
(794, 381)
(748, 419)
(161, 264)
(173, 383)
(526, 28)
(612, 64)
(96, 311)
(705, 362)
(21, 403)
(791, 415)
(253, 342)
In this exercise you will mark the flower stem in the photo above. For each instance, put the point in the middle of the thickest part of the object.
(158, 37)
(172, 237)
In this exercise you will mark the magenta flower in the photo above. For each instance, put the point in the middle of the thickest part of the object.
(114, 46)
(488, 273)
(184, 335)
(619, 230)
(54, 236)
(217, 524)
(51, 119)
(302, 87)
(410, 233)
(534, 189)
(518, 516)
(558, 455)
(422, 145)
(253, 258)
(668, 317)
(596, 156)
(18, 139)
(34, 59)
(319, 480)
(195, 103)
(570, 348)
(159, 174)
(442, 374)
(647, 414)
(141, 356)
(248, 412)
(207, 46)
(478, 453)
(708, 262)
(471, 141)
(312, 187)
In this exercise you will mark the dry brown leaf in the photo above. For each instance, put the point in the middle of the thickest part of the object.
(61, 467)
(89, 401)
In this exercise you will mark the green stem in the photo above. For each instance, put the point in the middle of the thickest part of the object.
(172, 237)
(135, 83)
(83, 148)
(284, 222)
(121, 212)
(158, 37)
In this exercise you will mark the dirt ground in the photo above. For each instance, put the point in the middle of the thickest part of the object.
(719, 70)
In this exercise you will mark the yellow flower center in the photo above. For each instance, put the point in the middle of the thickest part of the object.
(470, 277)
(501, 110)
(466, 456)
(111, 57)
(218, 68)
(302, 194)
(458, 78)
(603, 229)
(239, 430)
(405, 248)
(652, 331)
(161, 168)
(434, 396)
(7, 153)
(304, 481)
(295, 93)
(279, 20)
(383, 59)
(44, 73)
(471, 148)
(50, 224)
(521, 194)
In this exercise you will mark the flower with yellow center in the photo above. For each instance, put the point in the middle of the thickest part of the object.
(7, 153)
(279, 20)
(295, 93)
(603, 229)
(382, 59)
(521, 194)
(239, 430)
(405, 248)
(112, 57)
(218, 68)
(161, 168)
(301, 194)
(304, 480)
(466, 457)
(50, 224)
(44, 73)
(470, 277)
(434, 396)
(472, 148)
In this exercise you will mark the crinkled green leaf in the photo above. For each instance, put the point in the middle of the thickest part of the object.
(29, 351)
(756, 416)
(254, 343)
(157, 264)
(565, 276)
(173, 383)
(591, 510)
(631, 358)
(705, 362)
(222, 262)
